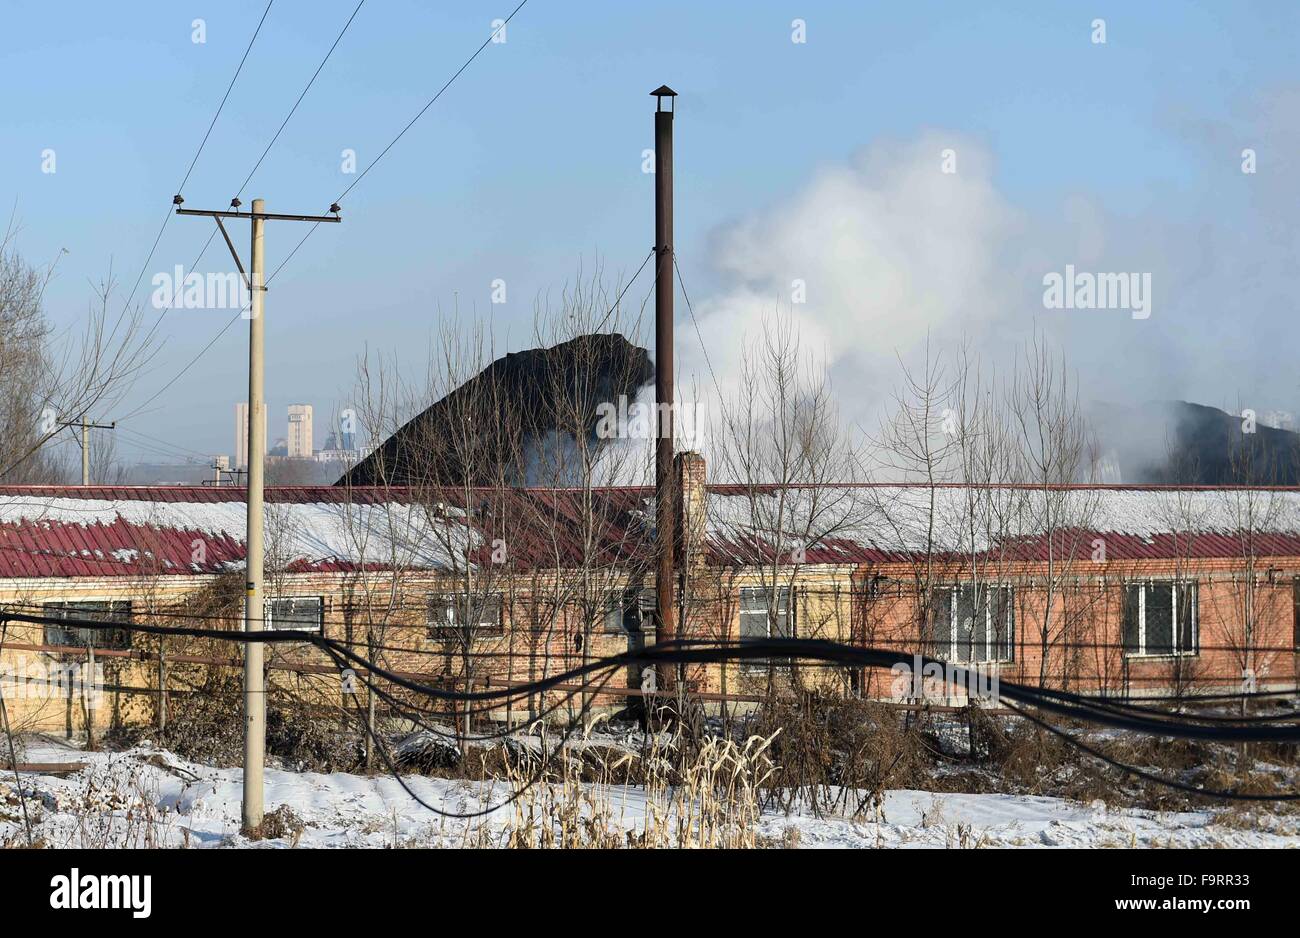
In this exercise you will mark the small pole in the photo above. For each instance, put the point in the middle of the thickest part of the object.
(88, 695)
(162, 686)
(86, 426)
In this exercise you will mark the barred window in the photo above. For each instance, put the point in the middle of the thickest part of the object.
(82, 636)
(765, 613)
(630, 610)
(295, 614)
(452, 614)
(1295, 612)
(973, 623)
(1160, 619)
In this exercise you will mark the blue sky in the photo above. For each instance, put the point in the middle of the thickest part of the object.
(530, 165)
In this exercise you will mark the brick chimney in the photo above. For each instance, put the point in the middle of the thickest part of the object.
(692, 519)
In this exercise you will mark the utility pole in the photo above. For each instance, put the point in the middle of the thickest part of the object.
(254, 677)
(254, 605)
(665, 500)
(86, 426)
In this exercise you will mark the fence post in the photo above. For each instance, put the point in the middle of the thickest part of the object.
(88, 696)
(162, 686)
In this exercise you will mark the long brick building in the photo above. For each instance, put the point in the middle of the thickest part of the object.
(1108, 589)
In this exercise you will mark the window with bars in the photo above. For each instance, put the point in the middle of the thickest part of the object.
(455, 614)
(82, 636)
(974, 623)
(1295, 612)
(630, 610)
(1160, 619)
(295, 614)
(765, 613)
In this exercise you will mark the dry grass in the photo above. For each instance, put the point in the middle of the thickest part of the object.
(707, 798)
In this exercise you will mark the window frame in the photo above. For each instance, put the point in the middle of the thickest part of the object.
(1295, 612)
(635, 607)
(1175, 587)
(457, 603)
(788, 614)
(85, 609)
(1006, 648)
(269, 620)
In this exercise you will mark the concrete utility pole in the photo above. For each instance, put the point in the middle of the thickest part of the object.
(254, 676)
(86, 426)
(254, 610)
(665, 495)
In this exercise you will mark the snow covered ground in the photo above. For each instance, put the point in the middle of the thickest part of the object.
(148, 797)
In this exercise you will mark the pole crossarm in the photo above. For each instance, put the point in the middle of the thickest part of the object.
(262, 216)
(89, 426)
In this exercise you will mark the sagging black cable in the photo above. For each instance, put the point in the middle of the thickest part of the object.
(538, 775)
(1062, 703)
(405, 711)
(1113, 705)
(1223, 795)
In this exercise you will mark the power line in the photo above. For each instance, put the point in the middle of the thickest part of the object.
(875, 641)
(203, 143)
(283, 123)
(213, 341)
(251, 172)
(363, 174)
(708, 361)
(229, 88)
(622, 293)
(431, 101)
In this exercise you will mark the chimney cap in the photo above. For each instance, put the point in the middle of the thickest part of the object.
(663, 91)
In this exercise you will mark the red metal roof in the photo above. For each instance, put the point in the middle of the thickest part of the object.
(543, 528)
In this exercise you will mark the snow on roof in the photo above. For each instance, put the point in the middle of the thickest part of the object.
(64, 531)
(878, 522)
(105, 532)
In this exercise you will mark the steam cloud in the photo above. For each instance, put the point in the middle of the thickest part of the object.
(893, 250)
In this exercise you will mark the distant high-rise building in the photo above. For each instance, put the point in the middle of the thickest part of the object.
(241, 434)
(300, 436)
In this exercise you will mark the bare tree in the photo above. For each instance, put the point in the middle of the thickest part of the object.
(54, 376)
(781, 445)
(1055, 450)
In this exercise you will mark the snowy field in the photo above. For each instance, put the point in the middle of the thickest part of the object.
(148, 797)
